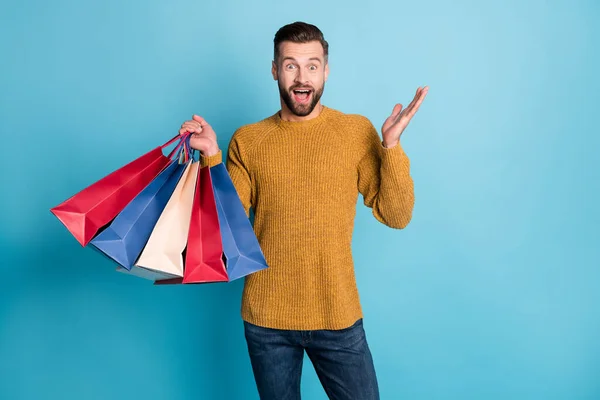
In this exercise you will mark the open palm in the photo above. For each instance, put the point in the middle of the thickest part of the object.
(395, 124)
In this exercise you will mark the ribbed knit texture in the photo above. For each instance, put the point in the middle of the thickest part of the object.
(302, 180)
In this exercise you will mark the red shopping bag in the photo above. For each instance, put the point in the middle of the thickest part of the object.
(204, 252)
(86, 212)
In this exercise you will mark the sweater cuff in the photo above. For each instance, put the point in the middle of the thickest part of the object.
(211, 161)
(394, 156)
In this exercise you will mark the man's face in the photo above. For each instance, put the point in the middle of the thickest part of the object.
(301, 73)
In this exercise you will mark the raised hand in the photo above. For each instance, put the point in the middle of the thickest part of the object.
(204, 138)
(395, 124)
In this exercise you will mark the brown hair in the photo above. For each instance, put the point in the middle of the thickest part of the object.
(300, 32)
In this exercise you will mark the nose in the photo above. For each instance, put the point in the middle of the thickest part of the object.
(301, 76)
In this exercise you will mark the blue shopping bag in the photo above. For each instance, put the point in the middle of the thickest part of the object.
(243, 254)
(125, 237)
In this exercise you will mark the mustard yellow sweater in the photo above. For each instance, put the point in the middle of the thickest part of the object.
(302, 179)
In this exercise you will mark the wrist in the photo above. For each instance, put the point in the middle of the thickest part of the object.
(211, 151)
(388, 144)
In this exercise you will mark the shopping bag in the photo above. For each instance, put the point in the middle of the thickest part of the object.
(162, 254)
(204, 251)
(125, 237)
(86, 212)
(147, 274)
(243, 255)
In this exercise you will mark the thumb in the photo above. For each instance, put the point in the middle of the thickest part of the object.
(396, 110)
(198, 118)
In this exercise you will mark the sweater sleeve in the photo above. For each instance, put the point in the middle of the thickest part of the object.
(384, 181)
(239, 174)
(211, 161)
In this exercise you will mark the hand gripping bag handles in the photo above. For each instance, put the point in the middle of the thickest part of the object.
(86, 212)
(124, 239)
(240, 245)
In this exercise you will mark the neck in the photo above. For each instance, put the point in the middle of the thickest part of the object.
(286, 115)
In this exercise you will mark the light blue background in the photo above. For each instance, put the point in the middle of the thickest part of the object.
(492, 292)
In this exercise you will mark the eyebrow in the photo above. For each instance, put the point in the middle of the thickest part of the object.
(310, 59)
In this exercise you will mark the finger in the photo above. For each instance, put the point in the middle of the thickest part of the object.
(423, 93)
(192, 127)
(410, 106)
(194, 124)
(419, 101)
(416, 97)
(186, 124)
(187, 131)
(416, 101)
(396, 110)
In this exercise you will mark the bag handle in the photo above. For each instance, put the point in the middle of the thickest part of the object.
(170, 141)
(183, 148)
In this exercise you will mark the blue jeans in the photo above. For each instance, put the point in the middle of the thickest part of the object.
(341, 358)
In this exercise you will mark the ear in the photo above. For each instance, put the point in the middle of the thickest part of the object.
(274, 70)
(326, 71)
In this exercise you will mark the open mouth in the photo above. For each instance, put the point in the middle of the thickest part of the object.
(302, 95)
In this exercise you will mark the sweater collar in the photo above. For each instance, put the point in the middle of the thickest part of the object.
(302, 124)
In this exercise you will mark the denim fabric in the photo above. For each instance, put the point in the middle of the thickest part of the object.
(341, 358)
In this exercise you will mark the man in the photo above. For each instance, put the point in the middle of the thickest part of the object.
(301, 171)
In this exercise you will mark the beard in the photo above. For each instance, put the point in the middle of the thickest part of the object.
(298, 109)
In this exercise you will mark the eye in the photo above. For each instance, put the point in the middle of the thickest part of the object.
(290, 66)
(313, 67)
